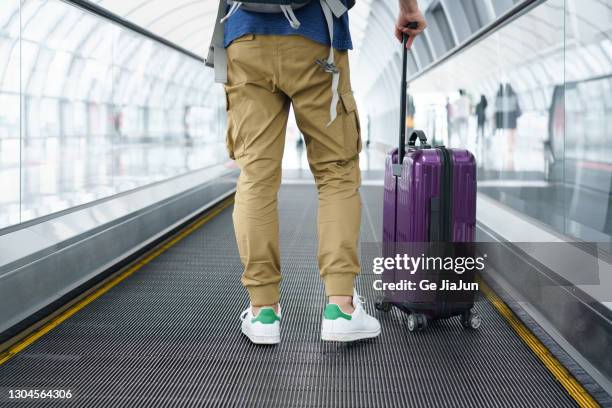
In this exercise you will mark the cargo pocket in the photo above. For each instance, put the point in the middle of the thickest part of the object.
(352, 127)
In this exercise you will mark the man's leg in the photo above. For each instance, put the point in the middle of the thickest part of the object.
(333, 155)
(257, 121)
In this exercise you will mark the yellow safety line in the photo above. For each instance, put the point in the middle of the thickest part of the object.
(567, 380)
(46, 328)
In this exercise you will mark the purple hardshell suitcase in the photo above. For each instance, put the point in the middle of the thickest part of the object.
(429, 197)
(419, 183)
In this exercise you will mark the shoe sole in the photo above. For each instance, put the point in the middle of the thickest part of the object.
(348, 337)
(262, 339)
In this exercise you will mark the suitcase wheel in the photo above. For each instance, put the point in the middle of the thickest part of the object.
(417, 321)
(382, 304)
(471, 320)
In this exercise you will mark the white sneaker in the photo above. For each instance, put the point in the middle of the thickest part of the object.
(340, 326)
(263, 328)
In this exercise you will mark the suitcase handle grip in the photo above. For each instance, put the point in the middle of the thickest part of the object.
(402, 126)
(418, 134)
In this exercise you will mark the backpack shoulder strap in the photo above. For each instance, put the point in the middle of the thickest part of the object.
(337, 7)
(217, 55)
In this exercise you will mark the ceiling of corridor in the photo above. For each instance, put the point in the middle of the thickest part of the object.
(375, 59)
(376, 56)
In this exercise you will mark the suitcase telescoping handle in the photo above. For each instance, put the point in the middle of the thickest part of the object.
(401, 151)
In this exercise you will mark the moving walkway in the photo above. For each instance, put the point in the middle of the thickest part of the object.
(164, 331)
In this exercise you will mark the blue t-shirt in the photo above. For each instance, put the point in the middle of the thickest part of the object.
(312, 26)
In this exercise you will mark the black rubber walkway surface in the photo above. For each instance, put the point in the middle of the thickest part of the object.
(169, 335)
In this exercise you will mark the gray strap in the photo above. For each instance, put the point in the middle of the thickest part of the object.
(329, 18)
(220, 65)
(217, 55)
(233, 9)
(337, 7)
(290, 16)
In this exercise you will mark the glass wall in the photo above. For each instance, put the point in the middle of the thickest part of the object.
(587, 137)
(90, 109)
(533, 101)
(10, 112)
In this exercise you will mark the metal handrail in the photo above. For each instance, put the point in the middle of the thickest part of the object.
(108, 15)
(507, 17)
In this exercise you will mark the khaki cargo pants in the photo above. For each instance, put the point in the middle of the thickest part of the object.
(267, 74)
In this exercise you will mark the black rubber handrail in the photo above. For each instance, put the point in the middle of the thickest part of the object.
(108, 15)
(502, 20)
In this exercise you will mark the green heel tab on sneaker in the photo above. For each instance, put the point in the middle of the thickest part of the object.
(333, 312)
(266, 316)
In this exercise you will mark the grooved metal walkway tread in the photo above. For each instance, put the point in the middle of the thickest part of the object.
(169, 335)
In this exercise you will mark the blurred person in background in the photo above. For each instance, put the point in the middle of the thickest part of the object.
(481, 118)
(507, 112)
(410, 111)
(462, 113)
(449, 120)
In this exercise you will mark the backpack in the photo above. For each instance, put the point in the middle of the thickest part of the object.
(278, 6)
(217, 56)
